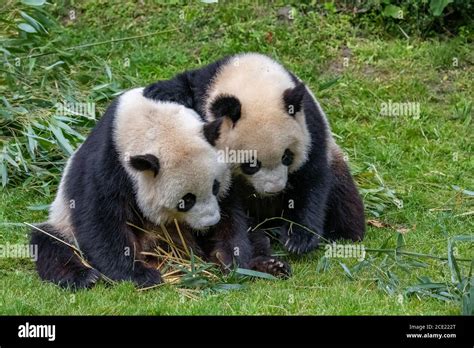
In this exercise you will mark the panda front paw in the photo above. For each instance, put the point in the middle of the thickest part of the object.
(227, 261)
(227, 257)
(271, 265)
(222, 258)
(298, 240)
(144, 276)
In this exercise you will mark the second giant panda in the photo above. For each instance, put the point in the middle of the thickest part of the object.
(146, 163)
(254, 104)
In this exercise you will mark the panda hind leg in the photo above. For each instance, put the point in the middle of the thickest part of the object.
(345, 209)
(57, 262)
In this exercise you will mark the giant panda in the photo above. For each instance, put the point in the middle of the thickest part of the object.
(253, 103)
(145, 164)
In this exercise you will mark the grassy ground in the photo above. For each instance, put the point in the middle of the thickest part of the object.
(419, 157)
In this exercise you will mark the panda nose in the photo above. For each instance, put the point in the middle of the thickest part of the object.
(211, 219)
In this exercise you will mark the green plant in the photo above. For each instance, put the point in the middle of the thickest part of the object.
(461, 287)
(413, 157)
(382, 266)
(42, 108)
(463, 112)
(411, 16)
(377, 196)
(29, 132)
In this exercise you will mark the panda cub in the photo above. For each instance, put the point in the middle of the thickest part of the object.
(253, 104)
(145, 164)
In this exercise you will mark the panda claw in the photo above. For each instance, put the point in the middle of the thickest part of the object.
(94, 277)
(300, 243)
(271, 266)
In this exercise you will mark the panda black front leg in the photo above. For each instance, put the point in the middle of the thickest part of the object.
(231, 251)
(110, 247)
(230, 241)
(298, 240)
(145, 276)
(306, 214)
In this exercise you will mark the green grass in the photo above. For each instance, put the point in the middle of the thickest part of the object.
(420, 158)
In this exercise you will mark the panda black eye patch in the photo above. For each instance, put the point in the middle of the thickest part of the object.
(186, 203)
(250, 168)
(215, 187)
(287, 158)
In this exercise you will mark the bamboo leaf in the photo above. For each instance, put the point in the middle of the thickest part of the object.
(26, 28)
(323, 264)
(59, 62)
(256, 274)
(346, 270)
(108, 72)
(437, 6)
(39, 207)
(329, 84)
(101, 86)
(32, 143)
(63, 142)
(228, 287)
(452, 263)
(3, 173)
(37, 25)
(34, 2)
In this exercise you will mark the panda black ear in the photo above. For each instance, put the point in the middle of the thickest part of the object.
(212, 131)
(226, 105)
(146, 162)
(293, 98)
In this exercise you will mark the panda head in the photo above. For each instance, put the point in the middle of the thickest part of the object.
(257, 112)
(174, 169)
